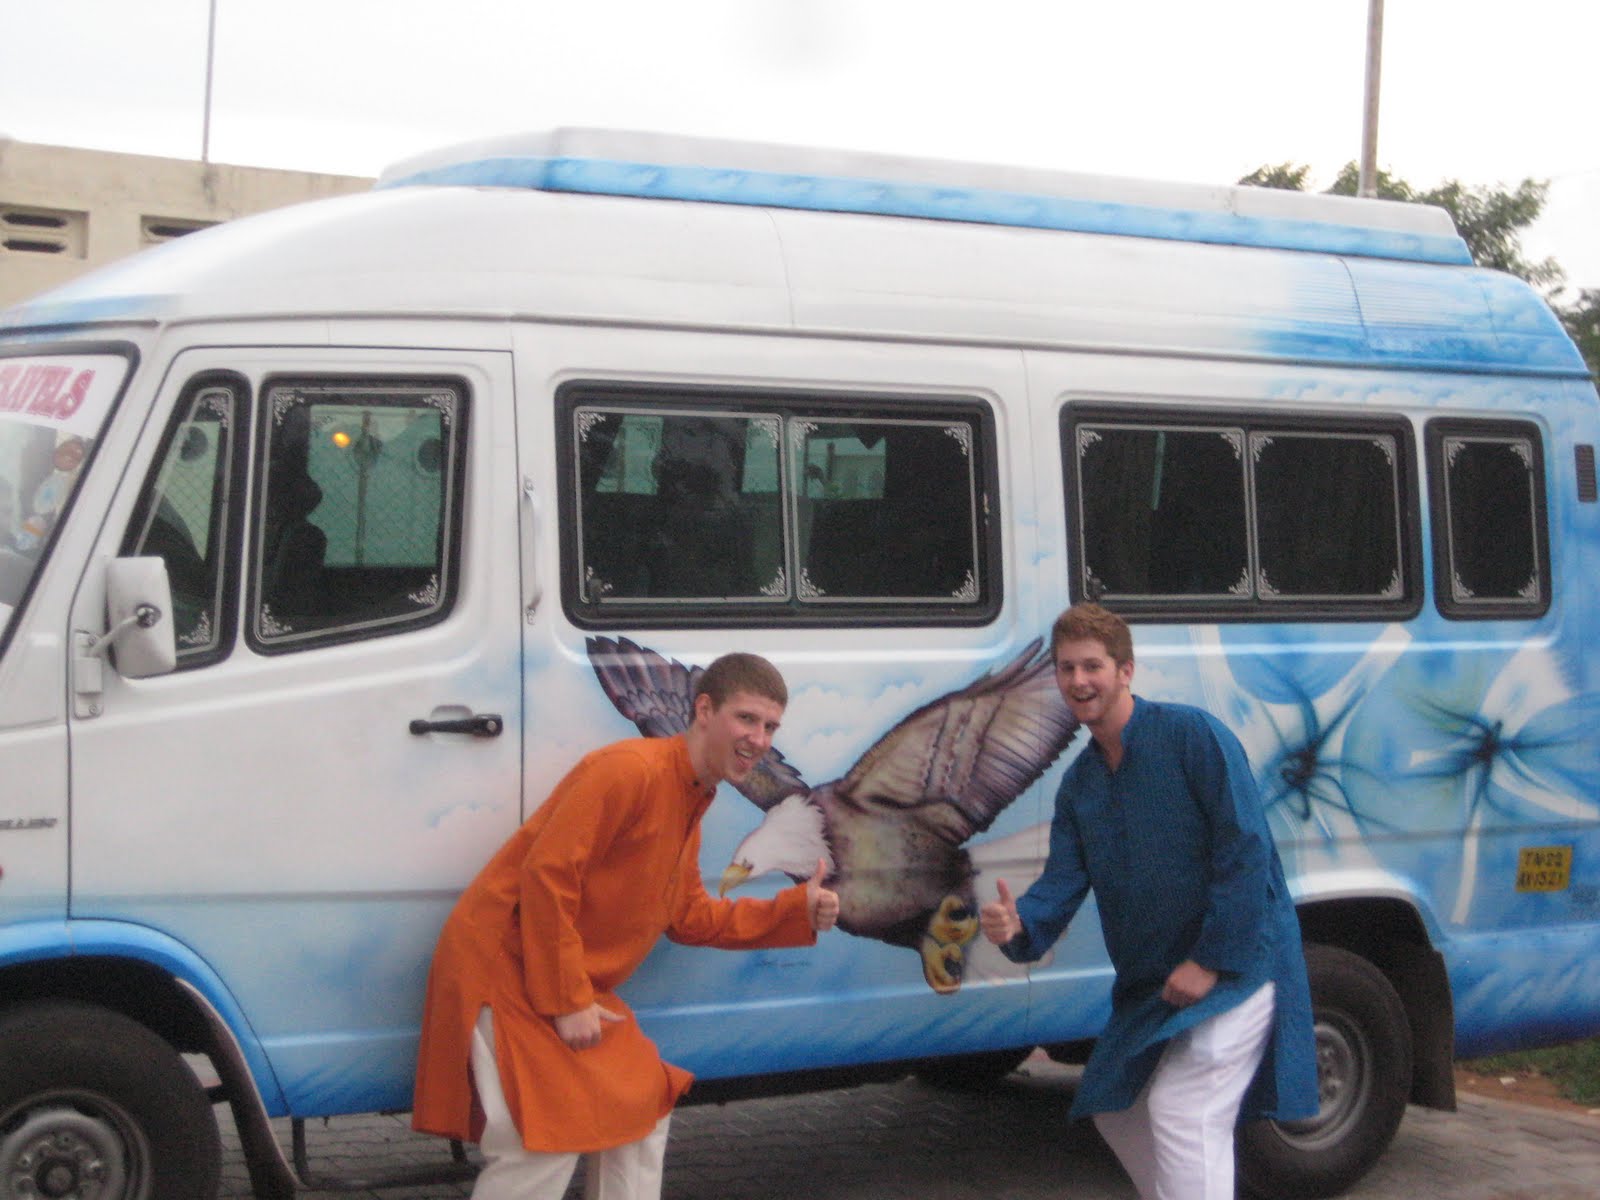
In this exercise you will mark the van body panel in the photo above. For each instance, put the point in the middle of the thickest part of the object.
(141, 943)
(498, 253)
(1418, 734)
(33, 814)
(667, 167)
(1525, 986)
(440, 455)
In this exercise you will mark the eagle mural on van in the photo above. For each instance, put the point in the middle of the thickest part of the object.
(892, 830)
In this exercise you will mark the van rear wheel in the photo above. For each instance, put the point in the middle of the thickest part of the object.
(94, 1106)
(1363, 1079)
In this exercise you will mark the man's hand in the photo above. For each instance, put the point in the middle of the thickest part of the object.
(999, 920)
(822, 905)
(1188, 983)
(582, 1029)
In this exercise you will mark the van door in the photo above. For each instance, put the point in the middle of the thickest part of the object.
(288, 817)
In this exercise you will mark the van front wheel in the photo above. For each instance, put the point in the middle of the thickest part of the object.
(94, 1105)
(1363, 1076)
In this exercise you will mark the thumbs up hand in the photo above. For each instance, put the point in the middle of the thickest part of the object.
(999, 920)
(822, 905)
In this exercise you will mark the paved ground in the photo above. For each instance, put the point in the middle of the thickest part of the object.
(905, 1141)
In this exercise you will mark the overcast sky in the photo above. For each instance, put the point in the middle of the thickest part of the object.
(1485, 91)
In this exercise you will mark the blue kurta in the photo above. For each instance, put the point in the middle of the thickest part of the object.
(1176, 847)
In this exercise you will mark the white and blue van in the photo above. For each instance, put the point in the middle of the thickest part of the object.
(331, 537)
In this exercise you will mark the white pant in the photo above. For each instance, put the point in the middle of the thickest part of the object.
(631, 1172)
(1176, 1139)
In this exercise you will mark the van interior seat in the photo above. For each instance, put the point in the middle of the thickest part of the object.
(293, 548)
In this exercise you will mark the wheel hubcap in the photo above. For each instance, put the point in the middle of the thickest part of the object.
(1344, 1079)
(72, 1149)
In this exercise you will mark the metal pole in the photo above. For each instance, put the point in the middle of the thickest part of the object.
(211, 51)
(1368, 180)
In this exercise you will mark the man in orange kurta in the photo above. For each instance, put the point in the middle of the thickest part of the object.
(528, 963)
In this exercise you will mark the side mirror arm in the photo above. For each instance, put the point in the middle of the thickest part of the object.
(146, 616)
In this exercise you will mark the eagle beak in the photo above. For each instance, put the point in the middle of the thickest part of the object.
(736, 874)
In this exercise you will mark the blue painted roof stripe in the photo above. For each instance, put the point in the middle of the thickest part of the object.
(46, 311)
(821, 193)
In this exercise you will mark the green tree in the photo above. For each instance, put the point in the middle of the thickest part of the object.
(1490, 221)
(1286, 177)
(1582, 320)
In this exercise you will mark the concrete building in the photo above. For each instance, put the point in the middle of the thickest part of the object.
(65, 210)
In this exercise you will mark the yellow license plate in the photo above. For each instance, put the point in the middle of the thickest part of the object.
(1544, 868)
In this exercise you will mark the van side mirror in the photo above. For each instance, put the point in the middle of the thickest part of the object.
(139, 611)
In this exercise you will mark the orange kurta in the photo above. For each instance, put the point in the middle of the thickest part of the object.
(565, 912)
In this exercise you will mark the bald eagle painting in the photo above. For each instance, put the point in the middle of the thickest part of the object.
(892, 830)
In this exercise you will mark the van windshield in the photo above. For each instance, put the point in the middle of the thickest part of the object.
(52, 410)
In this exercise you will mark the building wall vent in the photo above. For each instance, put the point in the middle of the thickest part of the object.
(29, 230)
(155, 230)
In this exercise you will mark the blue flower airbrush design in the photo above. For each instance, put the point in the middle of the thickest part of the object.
(1476, 741)
(1295, 702)
(1305, 779)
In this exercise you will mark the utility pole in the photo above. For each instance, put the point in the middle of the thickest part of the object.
(211, 53)
(1367, 183)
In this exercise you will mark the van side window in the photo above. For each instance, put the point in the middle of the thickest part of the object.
(356, 525)
(785, 507)
(189, 509)
(1163, 511)
(1490, 537)
(672, 503)
(1327, 511)
(885, 510)
(1245, 514)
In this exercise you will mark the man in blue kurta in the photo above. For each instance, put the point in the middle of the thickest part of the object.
(1211, 1012)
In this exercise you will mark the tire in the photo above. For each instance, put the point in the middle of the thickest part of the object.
(94, 1106)
(1364, 1078)
(970, 1072)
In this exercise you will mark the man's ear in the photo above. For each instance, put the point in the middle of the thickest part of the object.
(703, 707)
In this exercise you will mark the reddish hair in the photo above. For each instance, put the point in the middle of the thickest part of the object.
(1086, 621)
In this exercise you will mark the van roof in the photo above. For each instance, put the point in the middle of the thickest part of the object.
(476, 250)
(671, 167)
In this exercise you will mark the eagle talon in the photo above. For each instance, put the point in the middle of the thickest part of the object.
(950, 928)
(954, 924)
(942, 966)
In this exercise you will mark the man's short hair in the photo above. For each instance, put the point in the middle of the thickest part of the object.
(1083, 621)
(739, 672)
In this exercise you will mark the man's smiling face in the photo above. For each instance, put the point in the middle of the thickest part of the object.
(737, 734)
(1094, 685)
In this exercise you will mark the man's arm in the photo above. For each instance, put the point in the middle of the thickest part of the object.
(791, 918)
(1027, 927)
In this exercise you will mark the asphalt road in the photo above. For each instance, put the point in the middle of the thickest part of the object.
(907, 1141)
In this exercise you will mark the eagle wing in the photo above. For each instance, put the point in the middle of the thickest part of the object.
(963, 758)
(657, 695)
